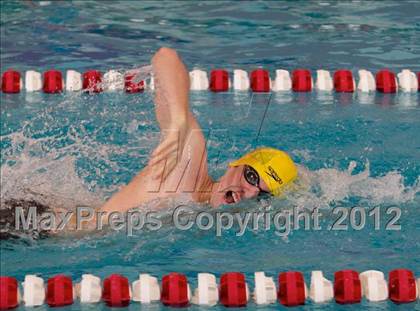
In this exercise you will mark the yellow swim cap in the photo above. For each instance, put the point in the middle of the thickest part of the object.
(274, 166)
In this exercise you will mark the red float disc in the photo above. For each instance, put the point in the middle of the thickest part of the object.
(219, 80)
(233, 290)
(92, 80)
(8, 293)
(347, 287)
(291, 288)
(59, 291)
(53, 82)
(385, 81)
(301, 80)
(130, 86)
(402, 286)
(260, 80)
(343, 81)
(174, 290)
(10, 81)
(116, 291)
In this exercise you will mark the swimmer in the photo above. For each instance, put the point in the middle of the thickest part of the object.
(178, 166)
(179, 163)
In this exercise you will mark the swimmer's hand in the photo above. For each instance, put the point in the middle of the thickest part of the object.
(169, 152)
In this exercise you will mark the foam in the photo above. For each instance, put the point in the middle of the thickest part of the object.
(141, 73)
(328, 186)
(47, 181)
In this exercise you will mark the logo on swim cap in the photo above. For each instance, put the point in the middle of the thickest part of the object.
(272, 173)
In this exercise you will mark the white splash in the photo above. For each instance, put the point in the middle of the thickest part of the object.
(52, 182)
(327, 186)
(140, 73)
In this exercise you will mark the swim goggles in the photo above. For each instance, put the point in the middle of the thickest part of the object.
(251, 176)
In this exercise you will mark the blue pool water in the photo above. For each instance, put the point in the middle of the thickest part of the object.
(74, 149)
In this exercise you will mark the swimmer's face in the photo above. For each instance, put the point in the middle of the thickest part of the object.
(233, 188)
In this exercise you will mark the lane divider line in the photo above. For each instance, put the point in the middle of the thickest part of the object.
(221, 80)
(348, 288)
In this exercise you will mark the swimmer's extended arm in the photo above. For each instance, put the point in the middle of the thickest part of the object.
(172, 86)
(180, 131)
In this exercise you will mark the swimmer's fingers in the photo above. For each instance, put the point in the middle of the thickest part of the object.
(164, 163)
(162, 171)
(166, 144)
(169, 152)
(162, 156)
(165, 149)
(157, 171)
(170, 165)
(155, 160)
